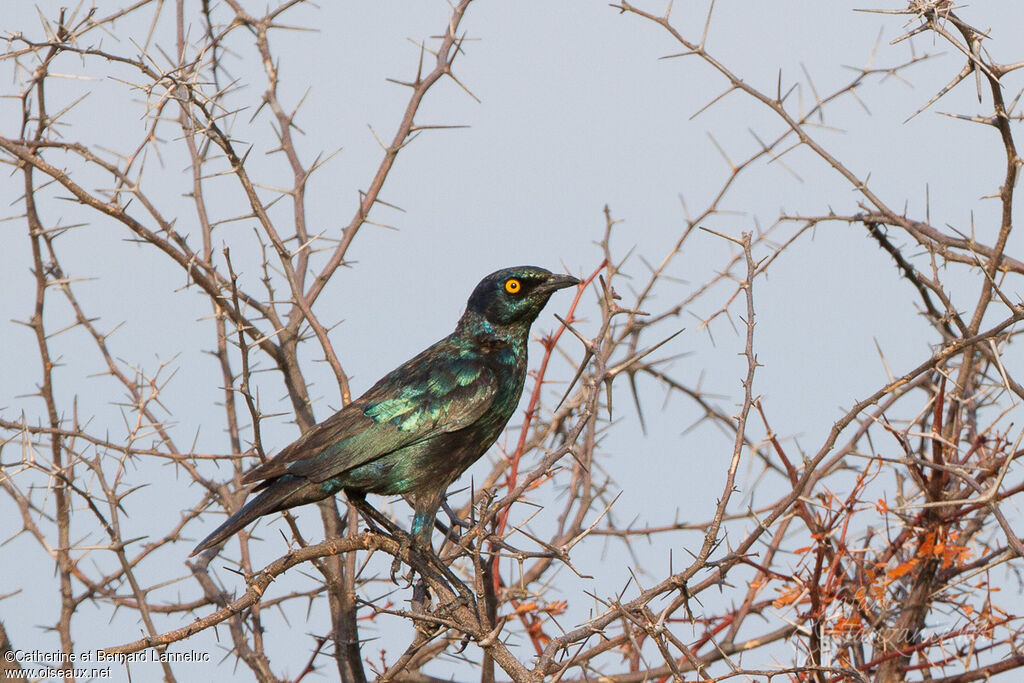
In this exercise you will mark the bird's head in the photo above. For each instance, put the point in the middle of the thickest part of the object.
(514, 296)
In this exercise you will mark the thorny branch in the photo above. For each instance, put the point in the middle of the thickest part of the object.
(870, 555)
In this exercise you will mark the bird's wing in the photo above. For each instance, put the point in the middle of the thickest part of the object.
(437, 392)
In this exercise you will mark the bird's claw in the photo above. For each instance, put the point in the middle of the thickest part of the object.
(404, 548)
(396, 566)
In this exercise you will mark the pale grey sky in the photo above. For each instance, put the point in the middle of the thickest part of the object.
(576, 111)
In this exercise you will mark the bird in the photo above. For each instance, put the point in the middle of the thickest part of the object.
(423, 424)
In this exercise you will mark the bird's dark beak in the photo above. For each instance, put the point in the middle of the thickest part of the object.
(556, 282)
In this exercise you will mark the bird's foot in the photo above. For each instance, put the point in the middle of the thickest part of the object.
(372, 527)
(404, 549)
(396, 578)
(460, 600)
(377, 522)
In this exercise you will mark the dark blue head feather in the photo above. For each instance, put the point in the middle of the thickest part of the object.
(514, 296)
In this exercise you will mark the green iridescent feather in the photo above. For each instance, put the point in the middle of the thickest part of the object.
(418, 428)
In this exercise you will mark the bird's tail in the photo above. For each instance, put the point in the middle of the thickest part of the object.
(284, 492)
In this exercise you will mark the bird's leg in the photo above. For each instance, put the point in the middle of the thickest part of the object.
(418, 542)
(374, 520)
(404, 546)
(426, 507)
(422, 524)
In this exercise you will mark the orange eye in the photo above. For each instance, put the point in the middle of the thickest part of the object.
(512, 286)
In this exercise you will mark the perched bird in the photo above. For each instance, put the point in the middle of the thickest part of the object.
(417, 429)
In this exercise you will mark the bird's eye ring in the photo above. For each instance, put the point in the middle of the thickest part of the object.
(512, 286)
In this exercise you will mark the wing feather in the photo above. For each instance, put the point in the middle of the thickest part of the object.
(443, 389)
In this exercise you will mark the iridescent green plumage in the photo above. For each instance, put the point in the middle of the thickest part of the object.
(417, 429)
